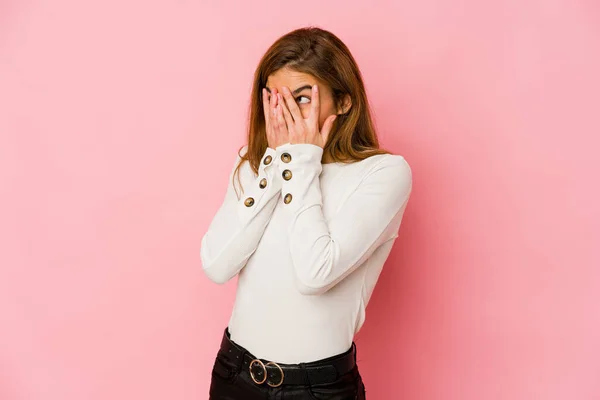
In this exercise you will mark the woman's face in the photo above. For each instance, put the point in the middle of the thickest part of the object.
(300, 84)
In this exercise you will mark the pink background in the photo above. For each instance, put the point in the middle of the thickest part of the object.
(119, 121)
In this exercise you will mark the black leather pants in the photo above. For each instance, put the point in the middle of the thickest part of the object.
(236, 375)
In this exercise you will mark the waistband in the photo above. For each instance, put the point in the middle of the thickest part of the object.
(276, 374)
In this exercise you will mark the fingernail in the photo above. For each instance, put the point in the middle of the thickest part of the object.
(315, 88)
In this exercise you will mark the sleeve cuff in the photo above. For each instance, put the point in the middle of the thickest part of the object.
(300, 167)
(300, 153)
(262, 189)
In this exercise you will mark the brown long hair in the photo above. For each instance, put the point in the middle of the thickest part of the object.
(320, 53)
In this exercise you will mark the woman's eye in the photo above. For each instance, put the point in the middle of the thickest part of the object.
(303, 100)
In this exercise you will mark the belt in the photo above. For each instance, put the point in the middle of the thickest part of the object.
(273, 374)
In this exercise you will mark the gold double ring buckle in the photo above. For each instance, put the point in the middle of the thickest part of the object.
(264, 369)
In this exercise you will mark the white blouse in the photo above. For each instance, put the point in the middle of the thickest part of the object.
(308, 242)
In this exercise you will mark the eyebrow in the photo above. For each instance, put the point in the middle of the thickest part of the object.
(295, 92)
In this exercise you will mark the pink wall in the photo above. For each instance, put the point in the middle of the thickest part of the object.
(119, 121)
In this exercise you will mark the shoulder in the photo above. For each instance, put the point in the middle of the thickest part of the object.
(393, 161)
(388, 176)
(387, 166)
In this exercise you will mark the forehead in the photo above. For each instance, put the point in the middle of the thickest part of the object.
(290, 78)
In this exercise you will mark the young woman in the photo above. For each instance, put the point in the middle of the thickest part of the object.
(312, 210)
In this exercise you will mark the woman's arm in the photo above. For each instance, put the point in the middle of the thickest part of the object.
(324, 252)
(238, 225)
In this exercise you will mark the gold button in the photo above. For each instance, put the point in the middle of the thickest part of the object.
(286, 158)
(287, 174)
(287, 199)
(268, 160)
(263, 183)
(249, 202)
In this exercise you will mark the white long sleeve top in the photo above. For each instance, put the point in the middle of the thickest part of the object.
(308, 242)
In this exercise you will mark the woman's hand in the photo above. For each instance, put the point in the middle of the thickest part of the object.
(302, 130)
(276, 135)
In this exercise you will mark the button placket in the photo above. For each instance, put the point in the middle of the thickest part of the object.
(286, 174)
(286, 157)
(298, 165)
(267, 162)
